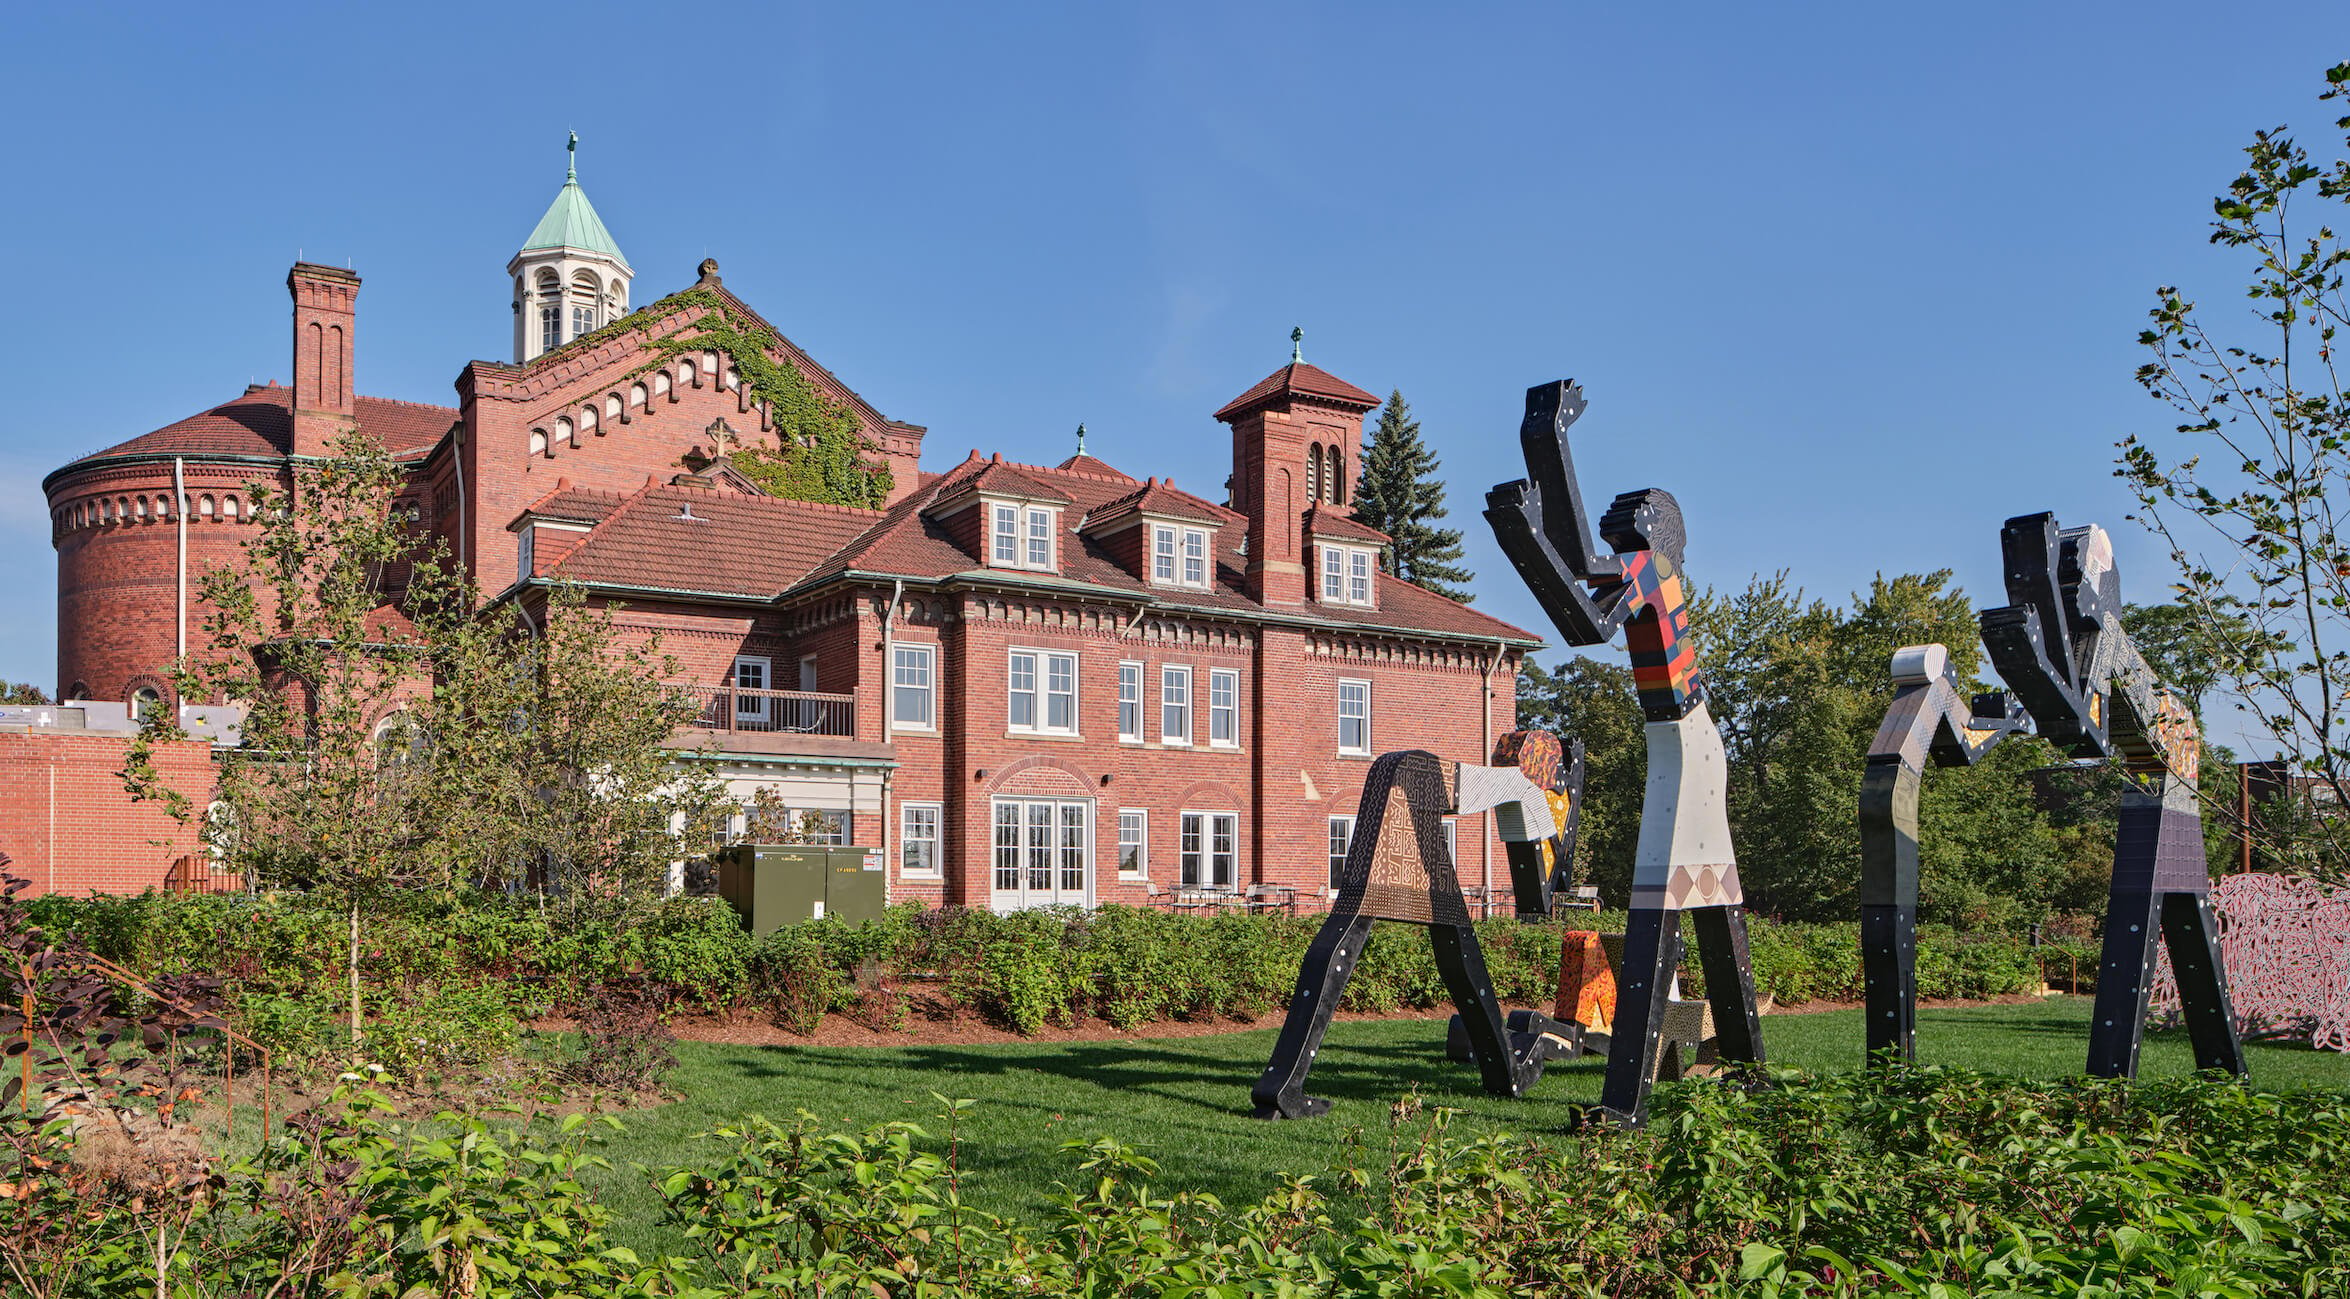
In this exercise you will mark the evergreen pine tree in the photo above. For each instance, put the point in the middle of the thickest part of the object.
(1400, 494)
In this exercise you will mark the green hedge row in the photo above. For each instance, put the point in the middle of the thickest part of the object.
(1910, 1182)
(281, 954)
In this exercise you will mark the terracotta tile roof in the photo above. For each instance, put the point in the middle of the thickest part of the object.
(568, 504)
(1155, 497)
(995, 475)
(261, 423)
(1298, 379)
(1087, 464)
(721, 542)
(905, 542)
(1331, 523)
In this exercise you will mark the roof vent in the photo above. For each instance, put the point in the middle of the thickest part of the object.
(685, 514)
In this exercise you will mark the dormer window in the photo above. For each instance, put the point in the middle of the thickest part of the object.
(1346, 575)
(1179, 556)
(1021, 536)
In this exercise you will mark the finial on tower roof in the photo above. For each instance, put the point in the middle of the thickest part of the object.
(1081, 438)
(1297, 345)
(571, 158)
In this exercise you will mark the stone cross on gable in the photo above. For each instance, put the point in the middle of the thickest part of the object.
(722, 436)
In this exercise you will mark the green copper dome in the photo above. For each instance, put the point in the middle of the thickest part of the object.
(571, 222)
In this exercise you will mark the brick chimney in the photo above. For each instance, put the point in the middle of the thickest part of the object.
(325, 309)
(1296, 438)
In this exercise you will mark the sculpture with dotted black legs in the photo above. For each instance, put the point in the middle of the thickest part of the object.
(1929, 720)
(1684, 861)
(2061, 647)
(1397, 868)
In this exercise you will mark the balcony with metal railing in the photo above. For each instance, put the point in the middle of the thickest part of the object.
(734, 710)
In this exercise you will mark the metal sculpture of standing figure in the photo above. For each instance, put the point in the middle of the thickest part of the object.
(1684, 862)
(1929, 719)
(2061, 647)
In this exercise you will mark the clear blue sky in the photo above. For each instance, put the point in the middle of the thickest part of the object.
(1854, 282)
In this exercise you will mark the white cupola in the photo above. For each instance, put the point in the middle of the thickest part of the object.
(569, 278)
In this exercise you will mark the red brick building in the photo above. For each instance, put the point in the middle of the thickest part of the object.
(1024, 684)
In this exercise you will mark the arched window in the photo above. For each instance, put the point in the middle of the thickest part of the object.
(660, 383)
(139, 504)
(638, 397)
(587, 417)
(538, 442)
(77, 691)
(734, 378)
(143, 701)
(1335, 479)
(550, 311)
(204, 507)
(612, 407)
(228, 507)
(688, 373)
(1314, 473)
(564, 434)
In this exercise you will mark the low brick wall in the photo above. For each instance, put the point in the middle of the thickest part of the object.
(67, 824)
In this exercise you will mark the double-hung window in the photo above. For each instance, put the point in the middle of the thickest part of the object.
(1043, 692)
(1342, 837)
(1358, 577)
(1224, 708)
(1333, 574)
(1354, 716)
(1040, 538)
(1163, 555)
(1130, 702)
(918, 839)
(1346, 575)
(1211, 849)
(912, 693)
(1020, 536)
(583, 321)
(1175, 705)
(1179, 556)
(1134, 847)
(1004, 533)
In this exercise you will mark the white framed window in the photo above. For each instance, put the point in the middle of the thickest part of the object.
(1175, 705)
(918, 838)
(1043, 692)
(583, 321)
(1210, 849)
(912, 687)
(1224, 708)
(1163, 547)
(1354, 716)
(1040, 538)
(1179, 556)
(1342, 837)
(524, 558)
(1346, 575)
(1452, 840)
(1005, 531)
(550, 328)
(1134, 842)
(752, 712)
(1042, 852)
(1130, 701)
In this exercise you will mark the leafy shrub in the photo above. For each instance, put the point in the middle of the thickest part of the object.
(456, 1032)
(296, 1031)
(623, 1043)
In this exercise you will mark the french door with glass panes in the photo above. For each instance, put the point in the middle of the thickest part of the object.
(1042, 854)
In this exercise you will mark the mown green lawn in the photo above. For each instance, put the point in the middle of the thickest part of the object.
(1185, 1100)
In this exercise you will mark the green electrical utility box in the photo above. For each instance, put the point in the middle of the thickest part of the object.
(779, 884)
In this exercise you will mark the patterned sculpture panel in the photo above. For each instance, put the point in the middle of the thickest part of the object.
(1397, 868)
(2061, 647)
(1684, 861)
(2286, 941)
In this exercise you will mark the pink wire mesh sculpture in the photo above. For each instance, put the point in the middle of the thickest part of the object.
(2286, 941)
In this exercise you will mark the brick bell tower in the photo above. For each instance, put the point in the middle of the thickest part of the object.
(1297, 439)
(326, 302)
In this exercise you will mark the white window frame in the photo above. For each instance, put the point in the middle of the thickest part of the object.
(523, 552)
(1342, 837)
(909, 814)
(1333, 575)
(1348, 574)
(1041, 692)
(1169, 706)
(1130, 683)
(1003, 530)
(1197, 851)
(1040, 869)
(1358, 577)
(1141, 843)
(1181, 557)
(1452, 840)
(1197, 563)
(1224, 717)
(926, 690)
(1036, 534)
(1165, 556)
(759, 710)
(1362, 749)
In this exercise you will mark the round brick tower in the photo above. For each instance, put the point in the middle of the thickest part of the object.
(137, 525)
